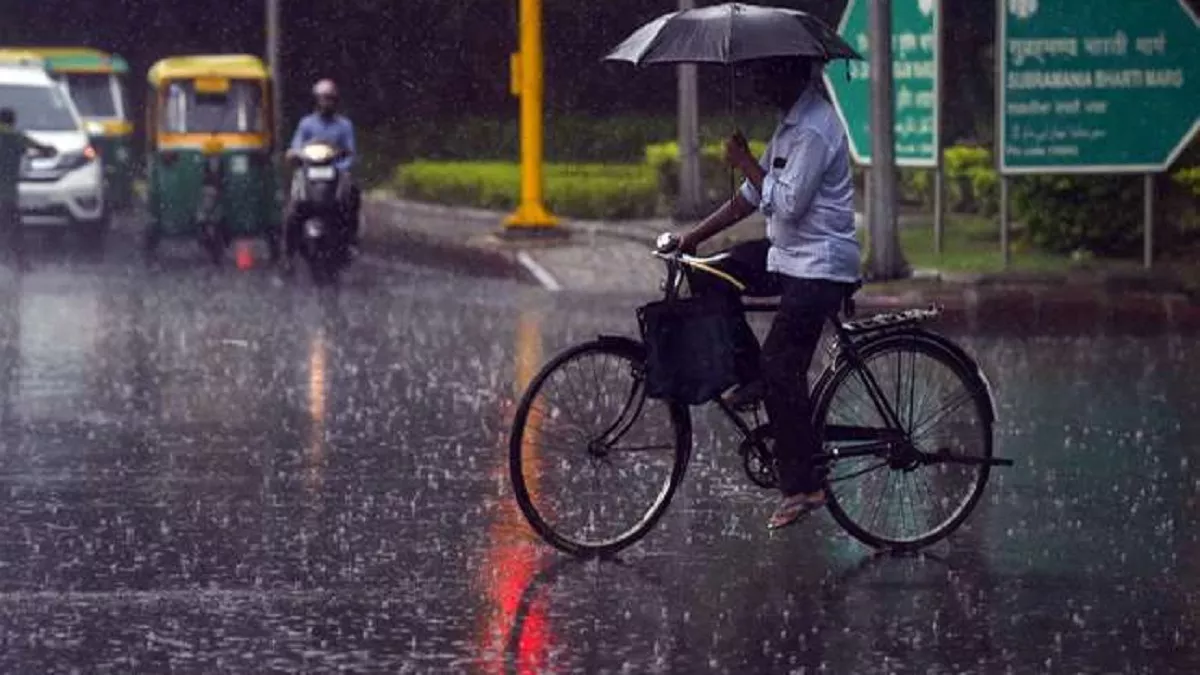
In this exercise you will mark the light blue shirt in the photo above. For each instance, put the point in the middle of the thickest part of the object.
(337, 131)
(808, 194)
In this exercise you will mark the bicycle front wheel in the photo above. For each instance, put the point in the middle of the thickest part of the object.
(593, 461)
(888, 500)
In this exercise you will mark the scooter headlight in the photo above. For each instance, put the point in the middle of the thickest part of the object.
(318, 153)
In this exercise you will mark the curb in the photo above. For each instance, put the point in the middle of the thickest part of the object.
(1049, 312)
(471, 259)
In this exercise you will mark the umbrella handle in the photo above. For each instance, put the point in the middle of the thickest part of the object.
(733, 125)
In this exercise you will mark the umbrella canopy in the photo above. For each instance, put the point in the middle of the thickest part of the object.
(731, 33)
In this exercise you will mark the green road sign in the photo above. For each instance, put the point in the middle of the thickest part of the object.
(915, 27)
(1097, 86)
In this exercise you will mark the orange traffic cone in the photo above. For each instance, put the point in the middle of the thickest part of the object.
(244, 255)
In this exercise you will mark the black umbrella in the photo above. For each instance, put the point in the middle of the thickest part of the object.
(729, 34)
(732, 33)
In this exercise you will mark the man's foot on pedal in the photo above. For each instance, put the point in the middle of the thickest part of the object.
(745, 397)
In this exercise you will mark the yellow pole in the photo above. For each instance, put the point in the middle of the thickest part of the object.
(527, 84)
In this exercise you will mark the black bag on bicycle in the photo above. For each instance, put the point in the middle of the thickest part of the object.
(689, 349)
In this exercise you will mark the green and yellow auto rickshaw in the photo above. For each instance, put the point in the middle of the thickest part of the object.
(96, 83)
(211, 170)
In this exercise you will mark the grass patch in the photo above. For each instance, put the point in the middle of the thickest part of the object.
(972, 244)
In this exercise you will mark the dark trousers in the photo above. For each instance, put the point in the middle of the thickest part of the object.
(783, 360)
(295, 215)
(12, 231)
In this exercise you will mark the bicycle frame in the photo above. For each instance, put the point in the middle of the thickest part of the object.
(870, 441)
(883, 442)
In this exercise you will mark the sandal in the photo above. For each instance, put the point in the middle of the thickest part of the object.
(792, 509)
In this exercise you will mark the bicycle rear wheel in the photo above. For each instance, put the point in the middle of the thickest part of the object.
(944, 408)
(593, 461)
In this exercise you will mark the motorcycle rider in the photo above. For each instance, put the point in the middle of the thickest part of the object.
(325, 125)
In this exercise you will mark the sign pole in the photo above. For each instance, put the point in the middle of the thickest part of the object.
(527, 79)
(689, 137)
(867, 199)
(939, 171)
(1148, 221)
(887, 261)
(1005, 250)
(998, 143)
(939, 209)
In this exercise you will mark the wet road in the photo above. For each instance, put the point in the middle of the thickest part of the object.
(201, 472)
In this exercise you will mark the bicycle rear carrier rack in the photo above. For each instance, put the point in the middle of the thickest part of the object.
(891, 320)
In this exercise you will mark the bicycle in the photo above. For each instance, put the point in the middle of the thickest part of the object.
(858, 420)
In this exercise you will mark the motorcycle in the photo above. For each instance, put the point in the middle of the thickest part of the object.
(324, 235)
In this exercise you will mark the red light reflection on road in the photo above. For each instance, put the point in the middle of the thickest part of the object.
(513, 555)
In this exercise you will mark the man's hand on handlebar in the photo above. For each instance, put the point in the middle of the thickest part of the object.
(667, 242)
(670, 242)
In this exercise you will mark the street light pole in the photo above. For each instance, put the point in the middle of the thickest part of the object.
(689, 137)
(887, 260)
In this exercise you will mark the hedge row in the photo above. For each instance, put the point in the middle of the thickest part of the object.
(972, 185)
(1099, 214)
(715, 175)
(569, 139)
(604, 191)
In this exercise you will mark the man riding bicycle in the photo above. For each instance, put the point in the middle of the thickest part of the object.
(804, 186)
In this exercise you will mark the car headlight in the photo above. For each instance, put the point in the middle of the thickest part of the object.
(70, 161)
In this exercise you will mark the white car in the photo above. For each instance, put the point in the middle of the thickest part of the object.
(68, 188)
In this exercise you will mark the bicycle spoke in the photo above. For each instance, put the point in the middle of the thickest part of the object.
(930, 394)
(912, 388)
(642, 448)
(964, 397)
(856, 474)
(879, 502)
